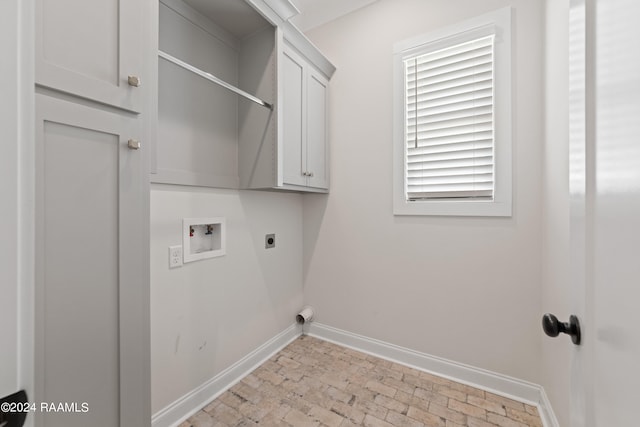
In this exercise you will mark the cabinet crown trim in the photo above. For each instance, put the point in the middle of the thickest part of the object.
(279, 12)
(284, 8)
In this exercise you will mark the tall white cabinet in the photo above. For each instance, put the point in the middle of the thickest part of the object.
(92, 213)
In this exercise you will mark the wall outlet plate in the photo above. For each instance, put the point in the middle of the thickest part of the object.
(270, 241)
(175, 256)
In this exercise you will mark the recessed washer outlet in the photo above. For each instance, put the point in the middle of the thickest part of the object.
(270, 241)
(203, 238)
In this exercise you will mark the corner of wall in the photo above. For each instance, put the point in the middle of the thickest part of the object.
(187, 405)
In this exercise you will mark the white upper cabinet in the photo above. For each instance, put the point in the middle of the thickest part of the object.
(304, 122)
(293, 156)
(242, 98)
(92, 49)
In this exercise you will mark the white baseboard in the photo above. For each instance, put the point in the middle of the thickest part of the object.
(532, 394)
(546, 410)
(192, 402)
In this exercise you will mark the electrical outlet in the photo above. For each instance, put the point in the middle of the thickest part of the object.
(270, 241)
(175, 256)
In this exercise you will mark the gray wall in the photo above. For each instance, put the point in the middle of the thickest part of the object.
(466, 289)
(209, 314)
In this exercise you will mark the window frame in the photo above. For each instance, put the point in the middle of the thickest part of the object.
(497, 23)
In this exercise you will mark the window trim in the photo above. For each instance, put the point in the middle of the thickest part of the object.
(498, 23)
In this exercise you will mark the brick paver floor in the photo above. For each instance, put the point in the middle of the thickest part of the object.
(316, 383)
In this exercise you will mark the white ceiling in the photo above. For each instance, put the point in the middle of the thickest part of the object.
(314, 13)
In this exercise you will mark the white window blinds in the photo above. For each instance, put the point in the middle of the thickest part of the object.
(450, 122)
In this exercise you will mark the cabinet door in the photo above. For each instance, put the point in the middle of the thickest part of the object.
(91, 296)
(317, 155)
(294, 120)
(90, 48)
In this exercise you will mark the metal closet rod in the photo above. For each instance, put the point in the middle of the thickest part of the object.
(214, 79)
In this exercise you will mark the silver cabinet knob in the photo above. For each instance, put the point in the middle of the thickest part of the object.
(134, 81)
(133, 144)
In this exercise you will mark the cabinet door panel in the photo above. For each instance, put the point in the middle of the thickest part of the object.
(91, 284)
(89, 48)
(317, 155)
(294, 155)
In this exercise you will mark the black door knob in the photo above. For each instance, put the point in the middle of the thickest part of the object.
(553, 327)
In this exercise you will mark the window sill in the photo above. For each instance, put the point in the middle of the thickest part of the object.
(483, 208)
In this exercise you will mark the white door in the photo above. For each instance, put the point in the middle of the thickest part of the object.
(605, 210)
(91, 295)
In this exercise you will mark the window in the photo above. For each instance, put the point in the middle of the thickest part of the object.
(452, 123)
